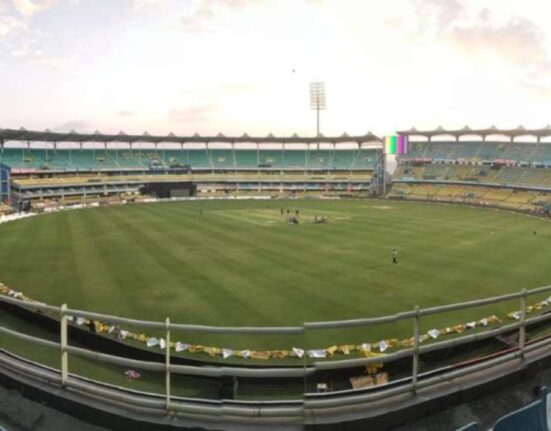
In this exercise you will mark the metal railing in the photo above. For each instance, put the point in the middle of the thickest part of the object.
(293, 409)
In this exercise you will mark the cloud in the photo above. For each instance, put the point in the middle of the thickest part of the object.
(28, 8)
(76, 125)
(37, 56)
(519, 42)
(514, 43)
(126, 113)
(138, 5)
(30, 44)
(441, 13)
(190, 115)
(477, 33)
(209, 12)
(10, 24)
(480, 37)
(229, 4)
(537, 89)
(199, 21)
(238, 88)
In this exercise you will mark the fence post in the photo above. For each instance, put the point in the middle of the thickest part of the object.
(522, 329)
(167, 362)
(64, 353)
(304, 370)
(415, 365)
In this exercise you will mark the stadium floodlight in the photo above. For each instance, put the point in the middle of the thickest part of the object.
(317, 101)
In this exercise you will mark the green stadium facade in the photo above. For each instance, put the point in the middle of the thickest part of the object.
(42, 168)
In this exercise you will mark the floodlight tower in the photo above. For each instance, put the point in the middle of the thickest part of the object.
(317, 101)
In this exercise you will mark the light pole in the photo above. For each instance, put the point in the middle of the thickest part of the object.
(317, 101)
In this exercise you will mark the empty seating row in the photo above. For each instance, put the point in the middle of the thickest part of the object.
(83, 160)
(526, 152)
(506, 175)
(532, 417)
(525, 200)
(89, 178)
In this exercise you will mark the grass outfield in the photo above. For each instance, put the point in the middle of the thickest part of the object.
(239, 263)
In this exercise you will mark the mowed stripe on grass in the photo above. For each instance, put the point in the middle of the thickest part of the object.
(239, 263)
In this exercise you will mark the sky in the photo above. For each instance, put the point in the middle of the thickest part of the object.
(244, 66)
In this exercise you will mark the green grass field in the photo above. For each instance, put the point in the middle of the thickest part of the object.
(239, 263)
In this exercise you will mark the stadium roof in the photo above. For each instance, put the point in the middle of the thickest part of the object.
(48, 136)
(493, 130)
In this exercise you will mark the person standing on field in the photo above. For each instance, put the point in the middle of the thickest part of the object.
(394, 256)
